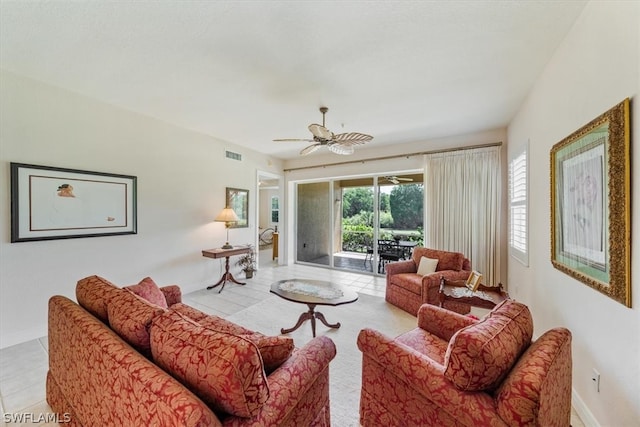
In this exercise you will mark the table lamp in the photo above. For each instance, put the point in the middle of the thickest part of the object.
(227, 216)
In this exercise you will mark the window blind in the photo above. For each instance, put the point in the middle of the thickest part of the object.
(518, 192)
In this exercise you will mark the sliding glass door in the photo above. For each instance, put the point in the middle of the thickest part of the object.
(400, 219)
(313, 223)
(356, 225)
(341, 223)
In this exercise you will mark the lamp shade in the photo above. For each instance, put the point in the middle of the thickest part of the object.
(227, 215)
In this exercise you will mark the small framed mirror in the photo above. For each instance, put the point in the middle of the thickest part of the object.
(238, 200)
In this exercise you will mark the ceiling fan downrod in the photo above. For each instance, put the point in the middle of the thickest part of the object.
(323, 110)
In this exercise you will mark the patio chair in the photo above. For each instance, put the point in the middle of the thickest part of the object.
(368, 257)
(388, 251)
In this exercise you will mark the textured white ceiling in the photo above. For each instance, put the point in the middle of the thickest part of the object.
(248, 72)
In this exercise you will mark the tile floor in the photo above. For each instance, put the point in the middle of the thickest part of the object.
(23, 367)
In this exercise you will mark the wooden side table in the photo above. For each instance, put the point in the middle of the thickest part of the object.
(225, 253)
(276, 235)
(484, 297)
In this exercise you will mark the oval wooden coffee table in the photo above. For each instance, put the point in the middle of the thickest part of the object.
(312, 293)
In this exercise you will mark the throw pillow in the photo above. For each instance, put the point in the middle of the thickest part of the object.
(427, 266)
(224, 370)
(130, 317)
(210, 321)
(94, 293)
(275, 350)
(148, 290)
(479, 356)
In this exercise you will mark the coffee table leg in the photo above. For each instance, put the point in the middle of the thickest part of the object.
(310, 315)
(320, 317)
(307, 315)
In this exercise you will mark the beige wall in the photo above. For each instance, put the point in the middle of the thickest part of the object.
(595, 68)
(265, 208)
(182, 177)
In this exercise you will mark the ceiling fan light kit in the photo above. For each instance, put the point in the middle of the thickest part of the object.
(339, 144)
(341, 149)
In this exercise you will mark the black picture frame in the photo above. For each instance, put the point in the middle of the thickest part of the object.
(49, 203)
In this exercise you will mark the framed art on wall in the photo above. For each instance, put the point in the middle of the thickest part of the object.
(56, 203)
(238, 200)
(591, 206)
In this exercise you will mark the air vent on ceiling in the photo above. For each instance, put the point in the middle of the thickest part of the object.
(231, 155)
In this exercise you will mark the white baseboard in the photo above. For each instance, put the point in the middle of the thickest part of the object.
(583, 411)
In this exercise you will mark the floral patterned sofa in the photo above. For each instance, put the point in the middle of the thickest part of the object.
(137, 356)
(408, 289)
(453, 370)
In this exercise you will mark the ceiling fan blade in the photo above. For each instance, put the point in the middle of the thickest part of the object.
(320, 131)
(396, 180)
(355, 138)
(340, 148)
(310, 149)
(293, 140)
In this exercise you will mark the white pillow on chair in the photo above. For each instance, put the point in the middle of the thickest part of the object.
(427, 266)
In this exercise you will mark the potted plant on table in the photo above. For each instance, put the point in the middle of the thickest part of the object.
(247, 262)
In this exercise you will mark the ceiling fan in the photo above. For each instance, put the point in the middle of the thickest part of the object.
(341, 143)
(396, 180)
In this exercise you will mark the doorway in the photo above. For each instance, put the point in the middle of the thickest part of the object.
(269, 218)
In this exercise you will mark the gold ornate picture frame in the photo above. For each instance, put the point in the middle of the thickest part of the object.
(473, 281)
(591, 204)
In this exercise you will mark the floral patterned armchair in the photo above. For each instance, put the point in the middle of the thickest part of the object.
(453, 370)
(407, 288)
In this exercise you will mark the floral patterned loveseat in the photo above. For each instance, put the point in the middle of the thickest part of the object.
(139, 357)
(408, 290)
(453, 370)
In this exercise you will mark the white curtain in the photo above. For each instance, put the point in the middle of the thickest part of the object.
(462, 206)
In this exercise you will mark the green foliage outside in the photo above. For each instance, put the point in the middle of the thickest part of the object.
(356, 200)
(400, 215)
(406, 206)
